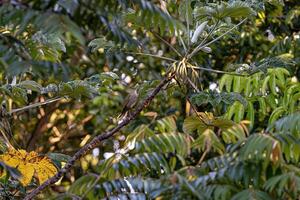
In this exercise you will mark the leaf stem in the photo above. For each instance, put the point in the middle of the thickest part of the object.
(202, 157)
(215, 71)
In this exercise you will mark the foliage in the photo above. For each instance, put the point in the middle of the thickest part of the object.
(274, 93)
(226, 126)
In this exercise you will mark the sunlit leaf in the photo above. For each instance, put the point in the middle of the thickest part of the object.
(29, 164)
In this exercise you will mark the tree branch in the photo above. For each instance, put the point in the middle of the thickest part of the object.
(98, 139)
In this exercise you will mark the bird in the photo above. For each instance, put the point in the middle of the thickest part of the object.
(129, 103)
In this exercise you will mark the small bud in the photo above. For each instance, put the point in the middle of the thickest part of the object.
(206, 49)
(198, 32)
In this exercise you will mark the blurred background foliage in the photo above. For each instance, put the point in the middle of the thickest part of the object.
(85, 55)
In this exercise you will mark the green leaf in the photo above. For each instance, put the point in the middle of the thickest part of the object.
(165, 143)
(82, 184)
(262, 147)
(122, 165)
(287, 124)
(19, 95)
(98, 43)
(58, 158)
(31, 85)
(208, 140)
(166, 125)
(191, 124)
(277, 112)
(283, 183)
(223, 10)
(250, 194)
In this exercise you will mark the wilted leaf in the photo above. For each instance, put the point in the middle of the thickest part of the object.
(29, 164)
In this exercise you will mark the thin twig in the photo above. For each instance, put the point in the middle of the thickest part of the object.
(195, 110)
(152, 55)
(35, 105)
(167, 43)
(216, 71)
(214, 40)
(98, 139)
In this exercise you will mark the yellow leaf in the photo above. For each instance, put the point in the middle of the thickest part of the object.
(27, 171)
(11, 158)
(45, 169)
(29, 164)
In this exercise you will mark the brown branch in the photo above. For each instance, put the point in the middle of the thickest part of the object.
(98, 139)
(41, 127)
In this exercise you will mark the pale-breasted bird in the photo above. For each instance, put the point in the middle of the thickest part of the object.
(129, 103)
